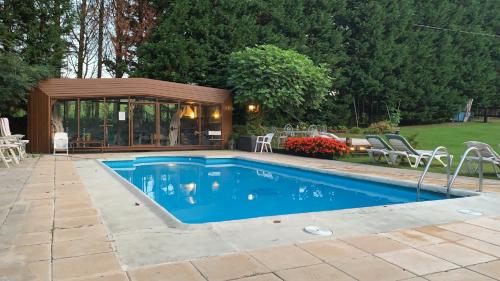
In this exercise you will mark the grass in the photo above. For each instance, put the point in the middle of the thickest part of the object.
(450, 135)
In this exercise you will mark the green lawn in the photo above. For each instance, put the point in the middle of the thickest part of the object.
(450, 135)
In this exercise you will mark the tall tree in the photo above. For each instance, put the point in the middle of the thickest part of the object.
(479, 66)
(376, 50)
(132, 21)
(82, 58)
(82, 16)
(194, 39)
(381, 57)
(36, 31)
(100, 40)
(16, 79)
(32, 47)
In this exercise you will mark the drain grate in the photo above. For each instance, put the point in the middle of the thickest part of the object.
(312, 229)
(470, 212)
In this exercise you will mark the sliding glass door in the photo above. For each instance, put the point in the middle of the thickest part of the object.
(190, 124)
(92, 113)
(65, 118)
(143, 123)
(211, 125)
(117, 122)
(169, 124)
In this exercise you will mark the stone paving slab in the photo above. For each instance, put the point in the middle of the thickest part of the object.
(232, 266)
(460, 274)
(369, 268)
(51, 229)
(320, 272)
(167, 272)
(145, 236)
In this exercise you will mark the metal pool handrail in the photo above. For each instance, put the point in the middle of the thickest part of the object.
(448, 171)
(480, 168)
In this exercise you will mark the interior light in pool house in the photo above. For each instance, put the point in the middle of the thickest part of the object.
(190, 112)
(216, 114)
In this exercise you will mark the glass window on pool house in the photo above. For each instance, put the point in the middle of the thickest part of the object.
(137, 122)
(176, 117)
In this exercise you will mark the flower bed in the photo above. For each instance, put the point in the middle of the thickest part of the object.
(316, 147)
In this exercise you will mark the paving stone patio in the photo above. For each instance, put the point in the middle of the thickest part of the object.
(51, 230)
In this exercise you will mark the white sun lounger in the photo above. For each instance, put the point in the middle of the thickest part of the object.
(378, 148)
(355, 141)
(402, 148)
(488, 155)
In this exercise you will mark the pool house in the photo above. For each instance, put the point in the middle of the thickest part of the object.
(132, 114)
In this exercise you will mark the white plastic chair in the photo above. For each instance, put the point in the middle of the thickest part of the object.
(5, 131)
(10, 139)
(61, 142)
(16, 149)
(265, 143)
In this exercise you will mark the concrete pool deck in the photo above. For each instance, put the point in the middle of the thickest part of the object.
(67, 218)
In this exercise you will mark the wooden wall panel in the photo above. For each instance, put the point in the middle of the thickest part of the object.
(31, 113)
(227, 120)
(38, 122)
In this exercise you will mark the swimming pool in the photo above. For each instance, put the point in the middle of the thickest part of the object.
(200, 190)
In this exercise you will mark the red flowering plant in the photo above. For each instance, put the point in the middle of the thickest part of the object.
(316, 146)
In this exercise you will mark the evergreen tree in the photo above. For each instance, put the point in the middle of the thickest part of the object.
(194, 39)
(32, 47)
(446, 67)
(35, 30)
(16, 79)
(377, 53)
(384, 56)
(480, 61)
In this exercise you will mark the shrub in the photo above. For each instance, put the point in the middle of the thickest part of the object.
(316, 146)
(340, 128)
(395, 117)
(248, 130)
(355, 130)
(381, 127)
(372, 131)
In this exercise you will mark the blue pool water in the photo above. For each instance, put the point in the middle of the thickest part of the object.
(200, 190)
